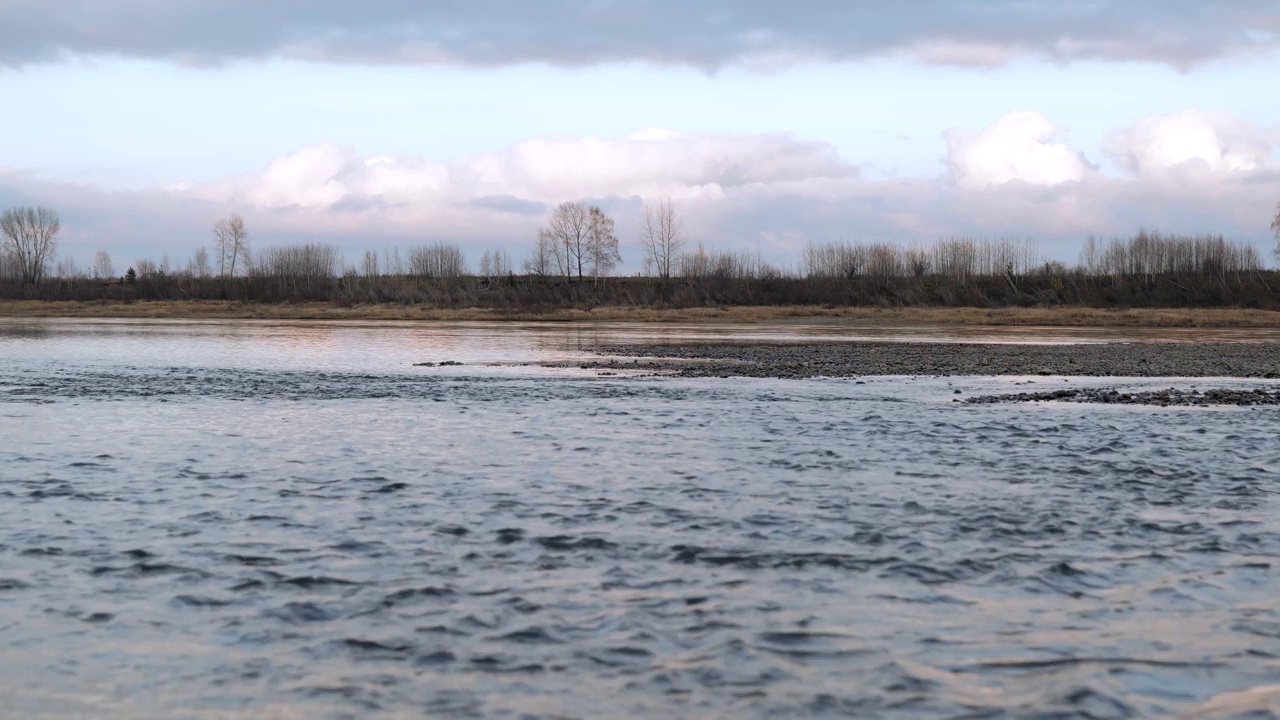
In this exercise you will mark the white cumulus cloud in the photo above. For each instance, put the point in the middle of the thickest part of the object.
(1193, 140)
(1019, 147)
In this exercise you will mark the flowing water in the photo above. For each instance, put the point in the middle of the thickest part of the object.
(290, 520)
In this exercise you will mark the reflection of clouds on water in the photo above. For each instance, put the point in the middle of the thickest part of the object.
(352, 346)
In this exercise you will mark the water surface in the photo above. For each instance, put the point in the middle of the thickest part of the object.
(266, 519)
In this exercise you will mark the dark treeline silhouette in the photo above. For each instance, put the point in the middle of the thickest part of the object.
(577, 251)
(1146, 270)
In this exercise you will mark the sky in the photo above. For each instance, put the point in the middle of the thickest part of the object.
(769, 125)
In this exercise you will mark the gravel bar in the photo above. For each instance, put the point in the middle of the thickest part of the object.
(853, 359)
(1171, 397)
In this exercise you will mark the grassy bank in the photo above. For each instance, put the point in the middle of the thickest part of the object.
(1060, 316)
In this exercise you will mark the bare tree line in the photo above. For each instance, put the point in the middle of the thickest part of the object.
(440, 260)
(1150, 254)
(702, 264)
(578, 240)
(1146, 254)
(304, 263)
(955, 258)
(579, 248)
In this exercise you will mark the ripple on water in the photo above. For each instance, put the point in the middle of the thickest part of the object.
(355, 544)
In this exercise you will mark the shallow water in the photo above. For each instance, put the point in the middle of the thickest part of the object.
(230, 519)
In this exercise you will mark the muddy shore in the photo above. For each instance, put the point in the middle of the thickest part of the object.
(853, 359)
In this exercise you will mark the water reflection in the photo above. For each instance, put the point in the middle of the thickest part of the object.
(387, 345)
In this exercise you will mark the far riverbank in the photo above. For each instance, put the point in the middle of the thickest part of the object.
(1034, 316)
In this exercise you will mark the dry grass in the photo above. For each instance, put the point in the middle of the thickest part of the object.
(1079, 317)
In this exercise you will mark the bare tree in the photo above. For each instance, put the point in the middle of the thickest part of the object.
(102, 268)
(232, 243)
(602, 244)
(568, 238)
(551, 254)
(663, 236)
(495, 264)
(221, 245)
(30, 237)
(369, 266)
(502, 263)
(917, 261)
(392, 263)
(147, 268)
(542, 261)
(1090, 257)
(67, 269)
(200, 263)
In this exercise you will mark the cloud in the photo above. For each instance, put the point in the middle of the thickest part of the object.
(1019, 147)
(653, 163)
(707, 34)
(510, 204)
(1016, 177)
(1193, 141)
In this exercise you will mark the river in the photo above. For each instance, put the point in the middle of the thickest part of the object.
(238, 519)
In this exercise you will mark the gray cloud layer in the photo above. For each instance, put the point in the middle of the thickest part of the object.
(706, 33)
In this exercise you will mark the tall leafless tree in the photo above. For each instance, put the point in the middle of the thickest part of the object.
(369, 265)
(495, 264)
(102, 267)
(542, 262)
(200, 264)
(392, 263)
(568, 237)
(602, 244)
(662, 234)
(502, 263)
(67, 269)
(30, 237)
(231, 243)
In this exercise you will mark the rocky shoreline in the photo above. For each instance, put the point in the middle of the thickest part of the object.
(855, 359)
(1171, 397)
